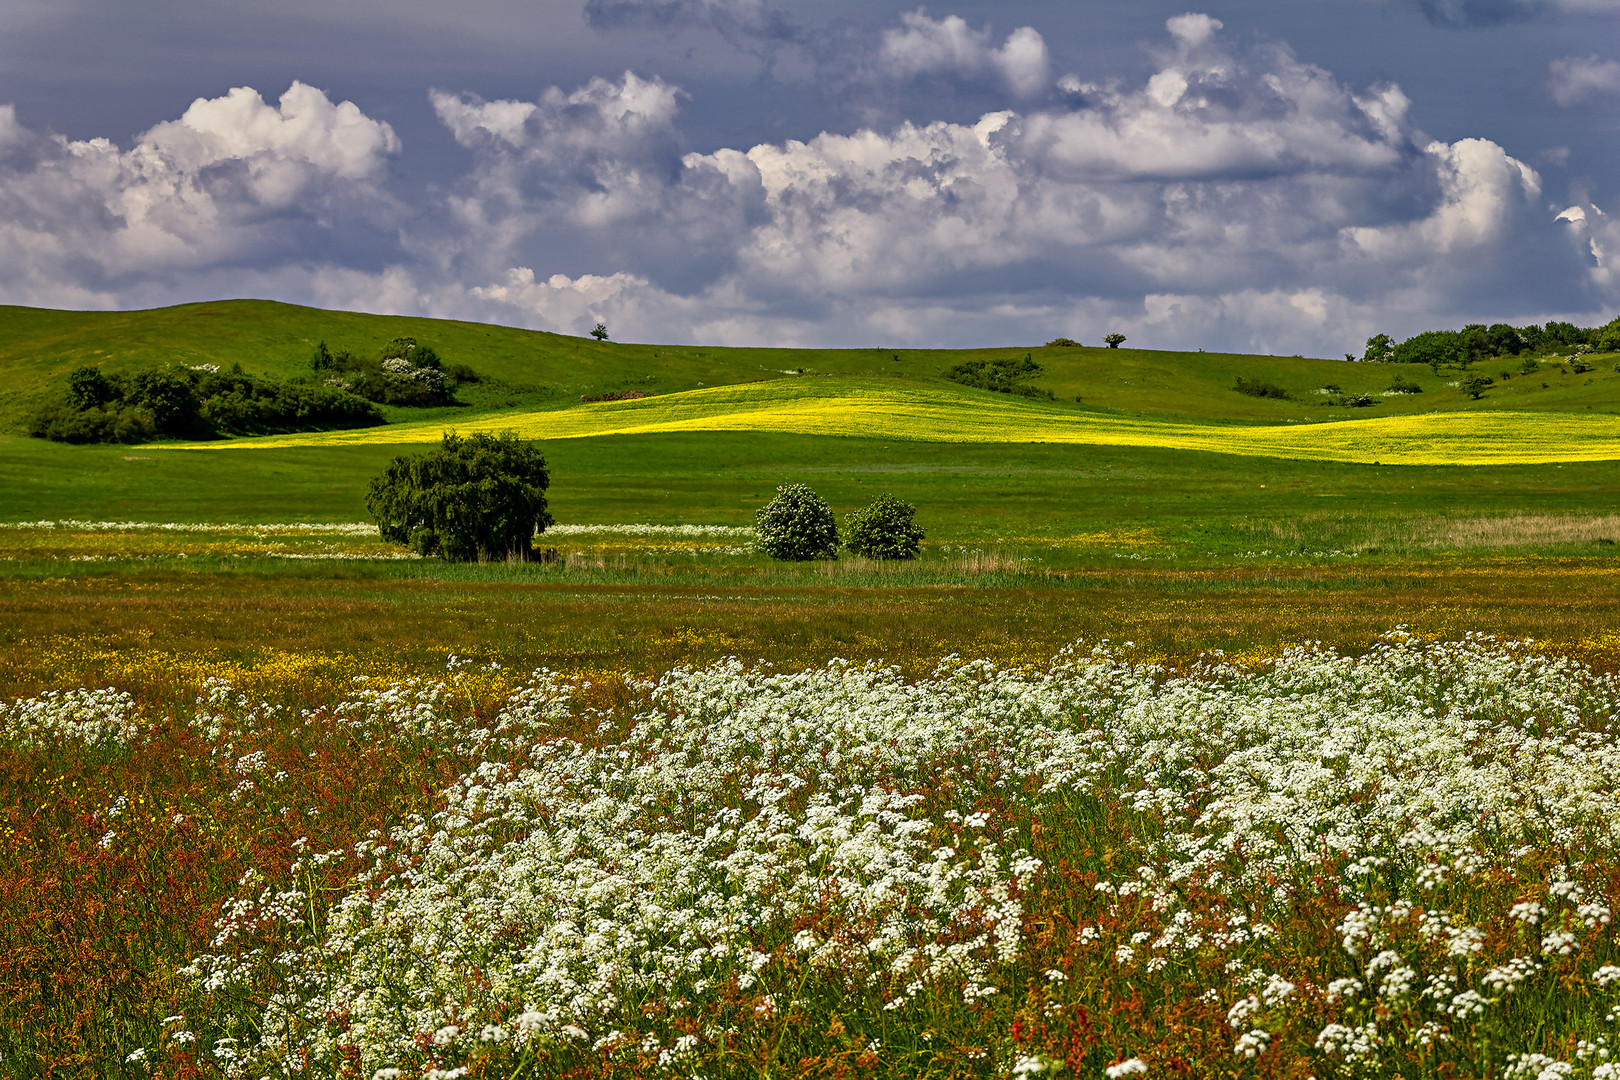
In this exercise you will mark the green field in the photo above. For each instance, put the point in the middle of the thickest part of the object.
(1220, 687)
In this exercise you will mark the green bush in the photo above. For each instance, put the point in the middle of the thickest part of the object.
(480, 498)
(1260, 388)
(1403, 385)
(797, 524)
(884, 529)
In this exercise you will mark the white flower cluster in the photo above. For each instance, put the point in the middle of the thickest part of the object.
(663, 531)
(96, 718)
(295, 527)
(681, 850)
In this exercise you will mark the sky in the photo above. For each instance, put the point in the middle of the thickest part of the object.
(1284, 176)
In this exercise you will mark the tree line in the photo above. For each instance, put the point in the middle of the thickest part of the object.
(1475, 342)
(201, 401)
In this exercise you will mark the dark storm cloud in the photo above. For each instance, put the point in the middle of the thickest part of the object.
(1466, 13)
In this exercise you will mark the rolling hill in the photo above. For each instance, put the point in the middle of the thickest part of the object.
(528, 372)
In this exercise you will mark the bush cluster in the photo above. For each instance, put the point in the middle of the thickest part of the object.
(1002, 376)
(799, 525)
(402, 373)
(191, 403)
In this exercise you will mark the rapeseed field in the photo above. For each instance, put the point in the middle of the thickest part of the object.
(935, 413)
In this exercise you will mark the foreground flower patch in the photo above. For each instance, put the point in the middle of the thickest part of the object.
(1401, 863)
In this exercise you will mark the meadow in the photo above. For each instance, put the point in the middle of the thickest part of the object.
(1194, 743)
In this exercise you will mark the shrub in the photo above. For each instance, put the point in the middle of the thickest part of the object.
(1063, 342)
(481, 498)
(1474, 384)
(1402, 385)
(797, 524)
(1260, 388)
(884, 529)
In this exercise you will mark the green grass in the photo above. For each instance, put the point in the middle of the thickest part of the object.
(38, 347)
(982, 493)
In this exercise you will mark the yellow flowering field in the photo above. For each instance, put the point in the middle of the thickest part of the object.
(832, 406)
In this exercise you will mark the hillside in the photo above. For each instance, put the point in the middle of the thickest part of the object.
(531, 370)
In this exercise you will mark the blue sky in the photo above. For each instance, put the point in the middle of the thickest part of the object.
(1278, 175)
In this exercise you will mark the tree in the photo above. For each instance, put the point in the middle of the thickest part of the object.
(1380, 350)
(599, 331)
(884, 529)
(481, 498)
(1114, 340)
(1474, 383)
(89, 388)
(797, 524)
(169, 396)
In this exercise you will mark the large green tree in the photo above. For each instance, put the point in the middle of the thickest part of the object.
(478, 498)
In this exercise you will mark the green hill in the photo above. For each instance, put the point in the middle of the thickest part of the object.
(530, 370)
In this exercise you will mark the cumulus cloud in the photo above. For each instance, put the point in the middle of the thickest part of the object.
(922, 45)
(1247, 194)
(233, 179)
(1577, 80)
(1232, 197)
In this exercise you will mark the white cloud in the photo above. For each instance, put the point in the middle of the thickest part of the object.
(233, 179)
(1249, 196)
(1577, 80)
(1192, 30)
(921, 45)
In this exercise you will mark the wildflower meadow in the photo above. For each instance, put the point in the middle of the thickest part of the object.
(1400, 862)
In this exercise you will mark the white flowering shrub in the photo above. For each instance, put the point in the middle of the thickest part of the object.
(797, 524)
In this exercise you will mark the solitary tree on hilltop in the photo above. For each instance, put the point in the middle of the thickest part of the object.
(599, 331)
(1114, 340)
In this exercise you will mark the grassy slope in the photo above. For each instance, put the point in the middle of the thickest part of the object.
(38, 347)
